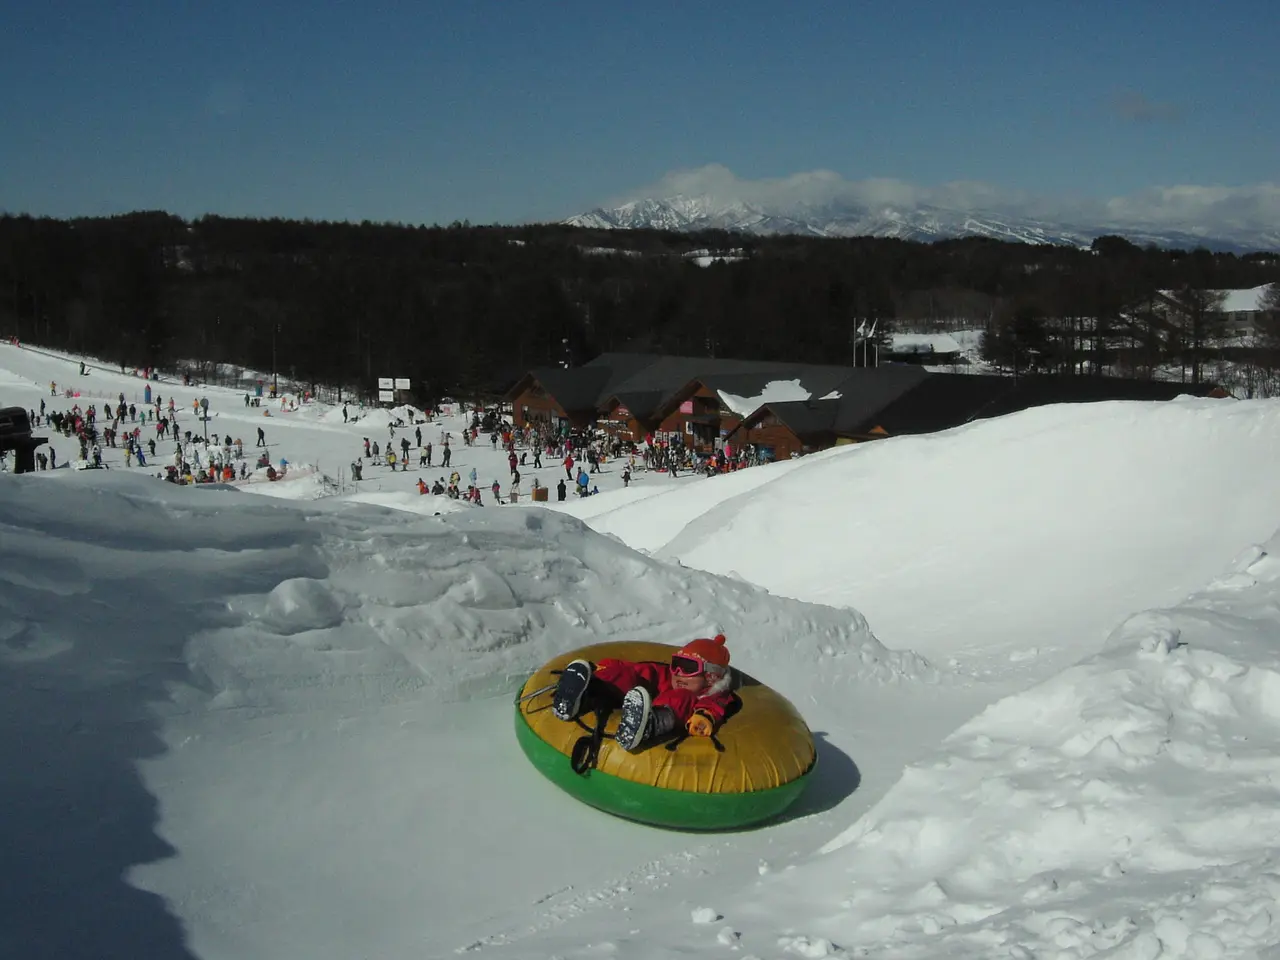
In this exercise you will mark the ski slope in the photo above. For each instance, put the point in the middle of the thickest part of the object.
(1037, 653)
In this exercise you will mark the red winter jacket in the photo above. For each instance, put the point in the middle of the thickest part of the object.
(622, 675)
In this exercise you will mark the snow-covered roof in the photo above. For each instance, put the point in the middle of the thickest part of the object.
(1244, 301)
(925, 343)
(1248, 300)
(775, 391)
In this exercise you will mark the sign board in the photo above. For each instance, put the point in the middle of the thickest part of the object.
(386, 383)
(402, 383)
(386, 396)
(686, 407)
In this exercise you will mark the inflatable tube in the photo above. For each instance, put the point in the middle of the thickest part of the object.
(768, 757)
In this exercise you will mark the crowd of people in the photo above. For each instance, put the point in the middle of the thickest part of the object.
(138, 429)
(536, 446)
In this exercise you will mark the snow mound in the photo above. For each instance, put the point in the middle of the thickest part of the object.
(1036, 492)
(1127, 804)
(464, 604)
(383, 416)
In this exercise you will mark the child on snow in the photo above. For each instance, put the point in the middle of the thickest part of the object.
(692, 691)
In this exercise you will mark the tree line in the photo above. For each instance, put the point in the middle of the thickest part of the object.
(465, 309)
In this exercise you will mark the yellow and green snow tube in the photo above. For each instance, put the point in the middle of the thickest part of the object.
(768, 755)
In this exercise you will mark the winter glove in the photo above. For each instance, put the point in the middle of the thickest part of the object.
(701, 724)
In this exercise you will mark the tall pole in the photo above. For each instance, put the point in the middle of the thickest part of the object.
(275, 380)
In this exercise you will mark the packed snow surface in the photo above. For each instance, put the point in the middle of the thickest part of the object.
(1038, 654)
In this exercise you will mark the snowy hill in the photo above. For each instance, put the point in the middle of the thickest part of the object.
(1037, 653)
(920, 508)
(921, 222)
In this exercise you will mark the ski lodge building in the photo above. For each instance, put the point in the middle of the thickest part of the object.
(790, 408)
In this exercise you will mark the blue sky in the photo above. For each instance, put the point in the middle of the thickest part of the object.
(514, 111)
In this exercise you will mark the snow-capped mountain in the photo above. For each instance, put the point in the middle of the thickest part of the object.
(923, 223)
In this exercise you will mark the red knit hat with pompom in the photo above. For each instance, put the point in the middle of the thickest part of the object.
(712, 652)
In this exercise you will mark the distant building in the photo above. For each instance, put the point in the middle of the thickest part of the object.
(929, 349)
(1240, 313)
(789, 408)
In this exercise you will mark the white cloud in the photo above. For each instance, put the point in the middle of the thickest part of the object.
(1251, 206)
(1257, 205)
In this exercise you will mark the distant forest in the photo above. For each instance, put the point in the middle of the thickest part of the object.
(466, 309)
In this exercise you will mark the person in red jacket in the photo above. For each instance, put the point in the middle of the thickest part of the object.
(693, 690)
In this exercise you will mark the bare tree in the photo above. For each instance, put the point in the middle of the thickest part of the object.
(1198, 315)
(1271, 300)
(1266, 346)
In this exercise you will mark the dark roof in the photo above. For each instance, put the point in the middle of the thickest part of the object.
(575, 390)
(1036, 391)
(645, 382)
(946, 400)
(669, 374)
(637, 403)
(862, 393)
(871, 390)
(938, 402)
(582, 389)
(621, 366)
(818, 381)
(805, 418)
(744, 378)
(900, 398)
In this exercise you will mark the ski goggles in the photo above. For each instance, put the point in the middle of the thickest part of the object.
(683, 666)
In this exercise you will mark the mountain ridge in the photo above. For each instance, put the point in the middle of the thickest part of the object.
(924, 223)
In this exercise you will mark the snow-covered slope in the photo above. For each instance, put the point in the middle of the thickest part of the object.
(1100, 509)
(244, 726)
(1123, 808)
(288, 679)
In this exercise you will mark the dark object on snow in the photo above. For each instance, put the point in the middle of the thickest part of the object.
(15, 435)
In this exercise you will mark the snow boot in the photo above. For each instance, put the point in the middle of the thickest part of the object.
(567, 700)
(641, 722)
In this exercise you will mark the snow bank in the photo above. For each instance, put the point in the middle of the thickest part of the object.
(300, 481)
(1092, 508)
(229, 701)
(464, 604)
(650, 516)
(382, 416)
(1127, 805)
